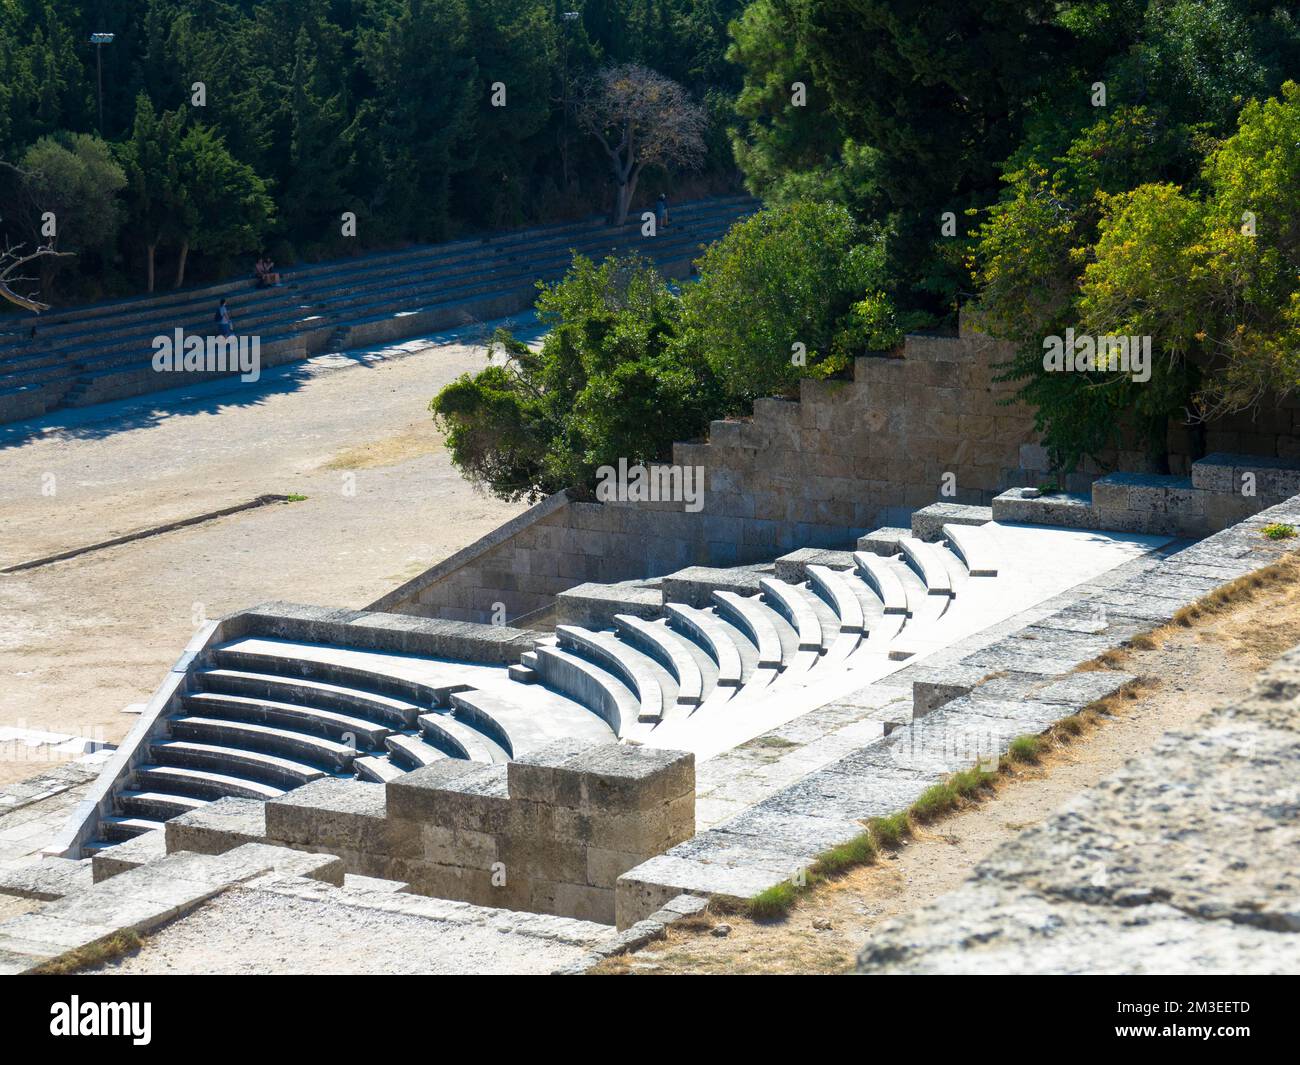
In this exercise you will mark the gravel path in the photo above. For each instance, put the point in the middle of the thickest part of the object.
(249, 931)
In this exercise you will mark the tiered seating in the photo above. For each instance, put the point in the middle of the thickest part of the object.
(261, 715)
(96, 353)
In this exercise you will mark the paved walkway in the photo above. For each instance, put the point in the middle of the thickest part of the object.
(82, 639)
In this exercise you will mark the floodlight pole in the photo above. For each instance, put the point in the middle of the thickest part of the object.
(99, 40)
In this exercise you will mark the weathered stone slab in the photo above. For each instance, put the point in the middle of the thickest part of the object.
(147, 847)
(47, 879)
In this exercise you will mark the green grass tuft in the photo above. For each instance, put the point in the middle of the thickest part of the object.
(889, 832)
(1278, 531)
(860, 850)
(1026, 749)
(774, 902)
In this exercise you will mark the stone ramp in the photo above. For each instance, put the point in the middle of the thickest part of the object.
(142, 899)
(308, 927)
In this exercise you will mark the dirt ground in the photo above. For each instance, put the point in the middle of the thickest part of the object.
(1190, 671)
(81, 640)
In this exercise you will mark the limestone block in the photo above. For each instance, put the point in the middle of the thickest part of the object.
(580, 901)
(429, 793)
(604, 779)
(217, 827)
(345, 814)
(140, 850)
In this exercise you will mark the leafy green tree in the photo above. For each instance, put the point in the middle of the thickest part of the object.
(224, 205)
(42, 84)
(514, 43)
(607, 383)
(792, 147)
(153, 191)
(1210, 274)
(75, 177)
(412, 131)
(185, 188)
(772, 298)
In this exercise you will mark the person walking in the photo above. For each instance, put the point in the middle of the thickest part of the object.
(223, 319)
(661, 211)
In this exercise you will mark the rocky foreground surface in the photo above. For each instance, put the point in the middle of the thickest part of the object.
(1187, 860)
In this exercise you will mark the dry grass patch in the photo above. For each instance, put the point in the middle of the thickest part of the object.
(100, 952)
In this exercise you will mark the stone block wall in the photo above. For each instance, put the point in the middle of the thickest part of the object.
(550, 832)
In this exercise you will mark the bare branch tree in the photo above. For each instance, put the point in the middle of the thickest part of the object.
(12, 260)
(641, 117)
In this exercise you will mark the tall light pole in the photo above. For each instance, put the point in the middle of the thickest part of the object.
(99, 40)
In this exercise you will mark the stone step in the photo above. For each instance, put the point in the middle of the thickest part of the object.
(355, 702)
(530, 716)
(411, 752)
(884, 580)
(122, 828)
(186, 781)
(705, 627)
(352, 731)
(426, 682)
(976, 548)
(156, 805)
(377, 770)
(459, 740)
(235, 762)
(837, 591)
(757, 621)
(620, 659)
(793, 602)
(928, 564)
(671, 649)
(315, 750)
(590, 685)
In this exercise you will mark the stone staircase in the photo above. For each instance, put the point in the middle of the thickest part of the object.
(92, 354)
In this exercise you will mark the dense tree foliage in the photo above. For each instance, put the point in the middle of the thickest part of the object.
(385, 108)
(629, 364)
(607, 383)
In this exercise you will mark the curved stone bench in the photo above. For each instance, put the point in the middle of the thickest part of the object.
(117, 828)
(753, 617)
(443, 730)
(790, 601)
(394, 675)
(670, 648)
(613, 655)
(267, 738)
(529, 716)
(842, 597)
(235, 762)
(366, 735)
(355, 701)
(185, 780)
(157, 805)
(591, 686)
(925, 561)
(713, 636)
(882, 579)
(973, 546)
(411, 752)
(377, 770)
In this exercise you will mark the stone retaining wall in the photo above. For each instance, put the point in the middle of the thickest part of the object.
(549, 832)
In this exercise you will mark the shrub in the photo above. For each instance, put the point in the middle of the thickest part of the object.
(787, 276)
